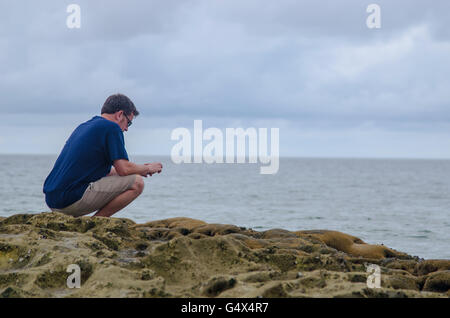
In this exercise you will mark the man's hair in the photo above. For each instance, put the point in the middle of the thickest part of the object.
(117, 102)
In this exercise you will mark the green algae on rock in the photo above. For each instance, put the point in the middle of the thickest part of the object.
(184, 257)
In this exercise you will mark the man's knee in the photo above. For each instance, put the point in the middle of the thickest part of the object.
(138, 184)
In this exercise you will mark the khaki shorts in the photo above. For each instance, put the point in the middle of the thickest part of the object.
(98, 194)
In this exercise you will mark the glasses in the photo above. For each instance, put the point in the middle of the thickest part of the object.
(129, 121)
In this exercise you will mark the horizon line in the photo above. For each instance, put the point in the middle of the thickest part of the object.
(281, 157)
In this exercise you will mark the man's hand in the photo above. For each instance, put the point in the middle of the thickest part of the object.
(124, 168)
(154, 167)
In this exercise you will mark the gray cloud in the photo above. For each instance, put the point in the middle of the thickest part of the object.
(308, 62)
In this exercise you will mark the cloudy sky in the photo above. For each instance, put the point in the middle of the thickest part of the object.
(313, 69)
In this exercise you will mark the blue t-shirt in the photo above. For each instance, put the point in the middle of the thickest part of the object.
(86, 157)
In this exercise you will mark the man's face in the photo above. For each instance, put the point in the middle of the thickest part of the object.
(123, 121)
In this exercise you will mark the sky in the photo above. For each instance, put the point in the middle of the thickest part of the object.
(313, 69)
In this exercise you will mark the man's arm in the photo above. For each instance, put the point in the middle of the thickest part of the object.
(124, 167)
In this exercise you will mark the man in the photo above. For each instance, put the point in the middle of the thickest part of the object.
(93, 173)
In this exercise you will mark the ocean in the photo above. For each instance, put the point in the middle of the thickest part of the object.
(403, 204)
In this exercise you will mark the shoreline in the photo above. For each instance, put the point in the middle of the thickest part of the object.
(184, 257)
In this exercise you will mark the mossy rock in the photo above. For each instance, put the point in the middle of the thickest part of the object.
(6, 248)
(86, 269)
(118, 227)
(60, 222)
(141, 245)
(284, 262)
(275, 291)
(196, 236)
(438, 282)
(12, 278)
(277, 233)
(313, 282)
(109, 240)
(11, 292)
(147, 274)
(44, 260)
(52, 279)
(217, 285)
(432, 265)
(313, 262)
(217, 229)
(152, 234)
(13, 256)
(183, 257)
(260, 277)
(357, 278)
(309, 263)
(164, 265)
(48, 234)
(16, 219)
(58, 278)
(400, 282)
(156, 293)
(381, 293)
(406, 265)
(96, 247)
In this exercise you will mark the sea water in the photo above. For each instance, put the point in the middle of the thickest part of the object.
(403, 204)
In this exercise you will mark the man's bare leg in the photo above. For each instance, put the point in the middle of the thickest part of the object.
(123, 199)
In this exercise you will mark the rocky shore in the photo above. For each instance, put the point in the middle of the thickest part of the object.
(183, 257)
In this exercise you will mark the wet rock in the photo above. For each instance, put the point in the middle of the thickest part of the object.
(406, 265)
(250, 242)
(284, 262)
(357, 278)
(438, 281)
(276, 290)
(350, 244)
(86, 269)
(174, 222)
(381, 293)
(52, 278)
(401, 282)
(12, 278)
(277, 233)
(261, 276)
(217, 285)
(313, 282)
(156, 293)
(432, 265)
(197, 236)
(11, 292)
(147, 275)
(184, 257)
(16, 219)
(111, 241)
(216, 229)
(141, 246)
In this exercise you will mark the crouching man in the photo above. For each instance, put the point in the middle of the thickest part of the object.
(93, 172)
